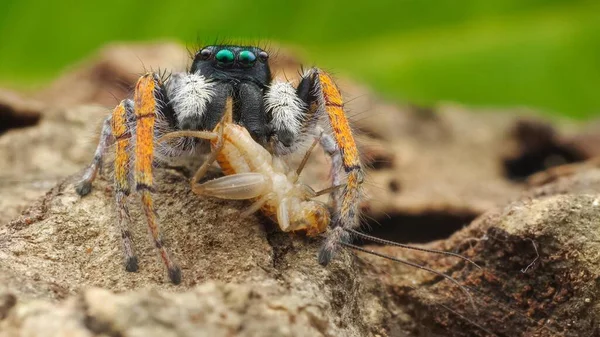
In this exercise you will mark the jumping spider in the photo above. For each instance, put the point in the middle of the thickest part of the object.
(277, 115)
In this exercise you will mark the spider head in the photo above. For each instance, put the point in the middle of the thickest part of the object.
(230, 62)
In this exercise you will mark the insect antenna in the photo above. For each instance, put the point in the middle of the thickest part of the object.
(418, 266)
(397, 244)
(467, 319)
(474, 295)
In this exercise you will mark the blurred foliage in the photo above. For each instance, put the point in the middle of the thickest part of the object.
(539, 53)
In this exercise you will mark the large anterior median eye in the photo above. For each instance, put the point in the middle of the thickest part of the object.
(225, 56)
(247, 57)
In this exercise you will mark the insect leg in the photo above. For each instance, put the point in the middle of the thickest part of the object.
(256, 206)
(307, 155)
(239, 186)
(146, 103)
(208, 135)
(106, 139)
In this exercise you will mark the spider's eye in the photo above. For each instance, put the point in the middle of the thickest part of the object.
(225, 56)
(247, 57)
(205, 54)
(263, 56)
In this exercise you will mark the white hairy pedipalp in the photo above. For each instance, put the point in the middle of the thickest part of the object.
(285, 106)
(189, 95)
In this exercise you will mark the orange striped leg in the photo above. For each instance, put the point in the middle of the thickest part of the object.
(122, 136)
(145, 114)
(347, 199)
(106, 138)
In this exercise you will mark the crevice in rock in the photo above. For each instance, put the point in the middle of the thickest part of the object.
(7, 302)
(278, 240)
(95, 325)
(11, 119)
(539, 148)
(419, 228)
(101, 328)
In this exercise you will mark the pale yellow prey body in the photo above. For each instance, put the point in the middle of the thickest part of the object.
(252, 172)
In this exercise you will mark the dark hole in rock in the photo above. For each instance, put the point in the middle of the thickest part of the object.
(380, 163)
(394, 186)
(539, 149)
(10, 119)
(425, 112)
(418, 228)
(377, 158)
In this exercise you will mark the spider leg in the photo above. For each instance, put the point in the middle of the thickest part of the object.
(328, 143)
(145, 107)
(122, 134)
(295, 118)
(106, 139)
(347, 199)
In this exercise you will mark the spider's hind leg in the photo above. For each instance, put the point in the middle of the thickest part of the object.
(122, 133)
(84, 186)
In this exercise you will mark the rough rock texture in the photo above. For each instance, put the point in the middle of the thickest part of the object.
(539, 260)
(65, 243)
(540, 269)
(34, 159)
(431, 172)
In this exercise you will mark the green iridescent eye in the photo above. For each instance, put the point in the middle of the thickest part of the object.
(247, 57)
(225, 56)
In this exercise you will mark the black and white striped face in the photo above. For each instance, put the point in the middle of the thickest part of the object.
(227, 62)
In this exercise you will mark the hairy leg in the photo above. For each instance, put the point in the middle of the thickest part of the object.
(146, 107)
(322, 101)
(122, 134)
(347, 198)
(106, 139)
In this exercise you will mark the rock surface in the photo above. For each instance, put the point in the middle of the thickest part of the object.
(269, 282)
(539, 259)
(38, 157)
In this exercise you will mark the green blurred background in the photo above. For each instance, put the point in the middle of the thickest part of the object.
(539, 53)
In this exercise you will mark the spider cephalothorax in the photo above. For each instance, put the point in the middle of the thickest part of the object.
(217, 72)
(277, 115)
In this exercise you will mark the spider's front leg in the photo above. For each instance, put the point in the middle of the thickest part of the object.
(297, 119)
(134, 119)
(146, 107)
